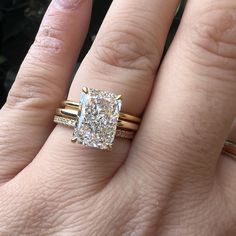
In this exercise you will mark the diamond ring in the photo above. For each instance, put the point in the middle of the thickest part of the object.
(97, 119)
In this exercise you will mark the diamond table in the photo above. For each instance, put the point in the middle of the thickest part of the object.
(97, 121)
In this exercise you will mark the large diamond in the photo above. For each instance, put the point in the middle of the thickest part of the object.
(97, 121)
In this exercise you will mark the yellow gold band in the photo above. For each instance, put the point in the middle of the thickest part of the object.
(123, 116)
(72, 114)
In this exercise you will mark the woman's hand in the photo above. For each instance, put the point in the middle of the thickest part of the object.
(171, 180)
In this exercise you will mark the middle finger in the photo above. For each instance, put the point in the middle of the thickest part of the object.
(193, 104)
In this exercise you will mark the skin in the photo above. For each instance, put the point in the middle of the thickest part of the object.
(172, 179)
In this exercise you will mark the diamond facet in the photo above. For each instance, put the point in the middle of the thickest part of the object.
(97, 121)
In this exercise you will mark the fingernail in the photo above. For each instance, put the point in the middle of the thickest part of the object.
(68, 4)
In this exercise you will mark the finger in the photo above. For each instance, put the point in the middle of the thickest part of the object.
(194, 100)
(129, 52)
(26, 119)
(124, 60)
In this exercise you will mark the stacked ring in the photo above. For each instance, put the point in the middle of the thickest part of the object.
(97, 119)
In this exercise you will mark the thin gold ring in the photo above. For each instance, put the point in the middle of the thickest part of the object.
(72, 114)
(123, 116)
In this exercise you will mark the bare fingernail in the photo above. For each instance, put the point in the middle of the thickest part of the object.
(68, 4)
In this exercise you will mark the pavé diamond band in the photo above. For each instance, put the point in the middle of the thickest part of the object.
(120, 133)
(97, 119)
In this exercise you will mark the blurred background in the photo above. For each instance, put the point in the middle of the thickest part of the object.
(19, 22)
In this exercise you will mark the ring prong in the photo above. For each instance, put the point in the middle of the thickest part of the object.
(119, 97)
(74, 140)
(85, 90)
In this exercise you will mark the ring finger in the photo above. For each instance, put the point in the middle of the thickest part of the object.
(124, 60)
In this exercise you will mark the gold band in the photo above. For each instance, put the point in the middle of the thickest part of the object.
(123, 116)
(230, 148)
(71, 123)
(72, 114)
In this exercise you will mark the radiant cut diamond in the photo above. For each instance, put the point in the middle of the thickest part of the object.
(97, 121)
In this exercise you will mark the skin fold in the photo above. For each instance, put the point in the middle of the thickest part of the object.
(172, 179)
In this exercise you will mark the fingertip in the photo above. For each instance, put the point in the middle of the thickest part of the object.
(69, 4)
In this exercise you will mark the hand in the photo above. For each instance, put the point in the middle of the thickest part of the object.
(171, 180)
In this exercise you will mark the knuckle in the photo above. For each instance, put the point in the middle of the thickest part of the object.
(17, 213)
(33, 90)
(125, 48)
(213, 36)
(50, 38)
(35, 86)
(27, 209)
(8, 147)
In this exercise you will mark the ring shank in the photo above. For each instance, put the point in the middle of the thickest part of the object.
(72, 114)
(76, 105)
